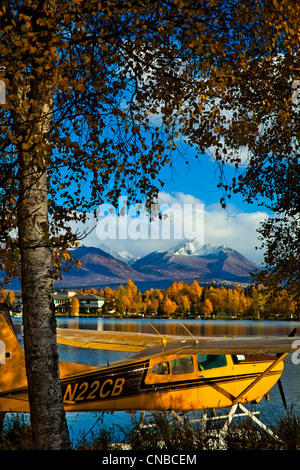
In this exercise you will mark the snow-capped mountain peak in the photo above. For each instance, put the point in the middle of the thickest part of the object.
(193, 247)
(128, 258)
(124, 256)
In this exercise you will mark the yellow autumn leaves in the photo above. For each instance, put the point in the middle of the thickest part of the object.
(182, 300)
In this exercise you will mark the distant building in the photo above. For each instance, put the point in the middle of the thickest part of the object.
(89, 303)
(61, 299)
(18, 305)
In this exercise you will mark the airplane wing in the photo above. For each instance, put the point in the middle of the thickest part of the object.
(183, 345)
(242, 345)
(107, 340)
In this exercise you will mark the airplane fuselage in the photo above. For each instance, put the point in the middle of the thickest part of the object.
(162, 382)
(171, 382)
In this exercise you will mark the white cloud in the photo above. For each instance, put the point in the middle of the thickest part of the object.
(135, 234)
(238, 230)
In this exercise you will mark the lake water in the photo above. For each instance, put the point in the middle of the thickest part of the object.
(81, 423)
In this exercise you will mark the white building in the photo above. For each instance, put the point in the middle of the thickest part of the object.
(89, 303)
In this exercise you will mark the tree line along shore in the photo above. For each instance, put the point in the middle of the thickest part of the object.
(182, 300)
(196, 301)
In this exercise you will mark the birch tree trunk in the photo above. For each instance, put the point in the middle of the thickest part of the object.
(48, 421)
(46, 406)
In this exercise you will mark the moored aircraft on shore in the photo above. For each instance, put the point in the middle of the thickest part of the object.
(179, 373)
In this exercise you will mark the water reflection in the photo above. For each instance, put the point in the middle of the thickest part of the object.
(174, 327)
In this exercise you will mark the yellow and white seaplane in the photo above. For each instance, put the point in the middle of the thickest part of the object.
(165, 373)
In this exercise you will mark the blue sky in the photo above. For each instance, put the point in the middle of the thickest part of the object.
(194, 184)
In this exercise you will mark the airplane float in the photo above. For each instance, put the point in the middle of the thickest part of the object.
(173, 373)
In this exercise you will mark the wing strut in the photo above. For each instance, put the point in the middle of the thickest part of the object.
(281, 391)
(163, 339)
(195, 339)
(279, 358)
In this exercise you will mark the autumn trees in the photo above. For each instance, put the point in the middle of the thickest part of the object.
(182, 300)
(74, 306)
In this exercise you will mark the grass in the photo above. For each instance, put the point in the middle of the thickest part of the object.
(159, 434)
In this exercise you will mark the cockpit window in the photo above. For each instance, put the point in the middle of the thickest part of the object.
(211, 361)
(163, 368)
(182, 365)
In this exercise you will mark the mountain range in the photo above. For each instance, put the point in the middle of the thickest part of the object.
(186, 262)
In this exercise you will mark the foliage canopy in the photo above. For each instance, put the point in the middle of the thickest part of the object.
(106, 89)
(124, 80)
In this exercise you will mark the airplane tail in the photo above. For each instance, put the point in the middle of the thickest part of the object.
(12, 358)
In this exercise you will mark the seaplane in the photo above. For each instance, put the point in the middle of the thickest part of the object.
(163, 373)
